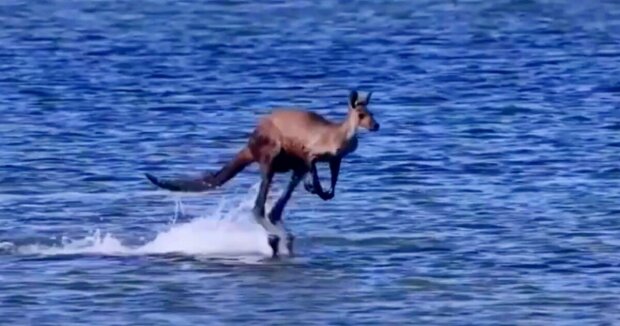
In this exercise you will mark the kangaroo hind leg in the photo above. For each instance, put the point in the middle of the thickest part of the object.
(275, 215)
(266, 154)
(261, 197)
(259, 208)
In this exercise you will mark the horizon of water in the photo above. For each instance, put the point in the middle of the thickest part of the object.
(489, 196)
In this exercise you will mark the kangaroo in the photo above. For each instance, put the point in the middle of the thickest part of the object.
(288, 140)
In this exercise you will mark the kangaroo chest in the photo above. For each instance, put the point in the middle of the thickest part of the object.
(341, 151)
(348, 147)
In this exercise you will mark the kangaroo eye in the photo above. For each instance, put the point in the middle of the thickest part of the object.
(361, 115)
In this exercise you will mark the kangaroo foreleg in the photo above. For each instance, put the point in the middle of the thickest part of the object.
(316, 188)
(334, 168)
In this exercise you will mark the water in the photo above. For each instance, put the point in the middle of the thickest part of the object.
(489, 196)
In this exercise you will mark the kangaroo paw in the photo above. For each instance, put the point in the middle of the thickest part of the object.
(274, 241)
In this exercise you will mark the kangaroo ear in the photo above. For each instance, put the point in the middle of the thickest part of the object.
(368, 97)
(352, 98)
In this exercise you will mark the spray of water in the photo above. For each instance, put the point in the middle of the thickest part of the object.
(218, 234)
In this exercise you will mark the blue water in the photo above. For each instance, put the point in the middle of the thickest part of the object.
(489, 196)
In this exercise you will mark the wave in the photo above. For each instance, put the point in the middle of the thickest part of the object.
(217, 234)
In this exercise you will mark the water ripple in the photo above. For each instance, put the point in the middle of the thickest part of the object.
(489, 196)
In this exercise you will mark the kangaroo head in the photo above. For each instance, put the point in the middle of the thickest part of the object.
(359, 107)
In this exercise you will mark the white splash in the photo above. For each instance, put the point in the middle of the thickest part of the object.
(234, 234)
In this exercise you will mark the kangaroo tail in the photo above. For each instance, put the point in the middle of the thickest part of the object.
(207, 181)
(236, 165)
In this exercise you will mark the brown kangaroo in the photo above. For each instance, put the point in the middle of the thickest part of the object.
(288, 140)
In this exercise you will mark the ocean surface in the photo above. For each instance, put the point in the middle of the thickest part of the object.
(490, 196)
